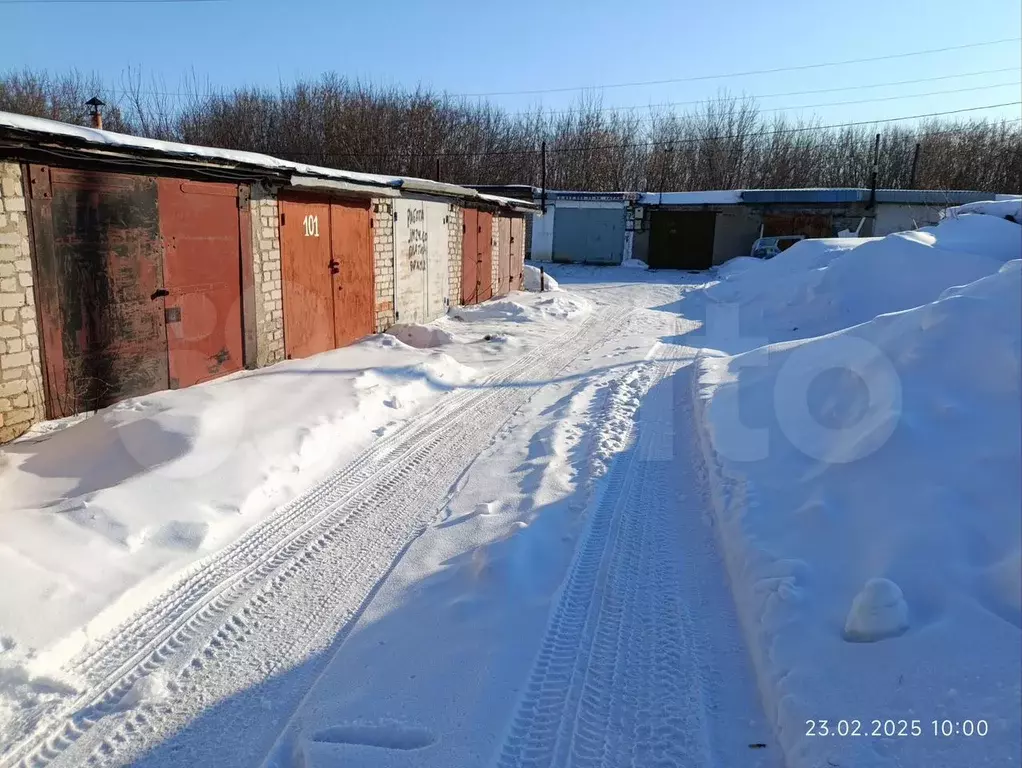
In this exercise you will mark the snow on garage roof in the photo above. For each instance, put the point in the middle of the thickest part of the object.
(40, 129)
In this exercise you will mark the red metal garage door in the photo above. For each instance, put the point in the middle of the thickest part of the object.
(469, 257)
(329, 297)
(484, 257)
(100, 270)
(354, 292)
(307, 287)
(504, 255)
(202, 276)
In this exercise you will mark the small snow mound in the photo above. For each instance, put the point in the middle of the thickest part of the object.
(421, 336)
(532, 275)
(149, 689)
(634, 264)
(563, 307)
(879, 611)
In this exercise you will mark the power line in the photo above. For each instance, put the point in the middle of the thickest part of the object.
(671, 143)
(747, 73)
(893, 98)
(770, 95)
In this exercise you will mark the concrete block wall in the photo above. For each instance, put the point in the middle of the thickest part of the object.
(21, 377)
(268, 287)
(455, 235)
(383, 262)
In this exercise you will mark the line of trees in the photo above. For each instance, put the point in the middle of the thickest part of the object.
(724, 143)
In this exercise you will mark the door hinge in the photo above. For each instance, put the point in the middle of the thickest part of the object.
(244, 195)
(39, 182)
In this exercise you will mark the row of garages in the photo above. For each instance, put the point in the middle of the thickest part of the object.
(129, 266)
(697, 230)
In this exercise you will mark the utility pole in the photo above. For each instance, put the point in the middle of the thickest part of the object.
(873, 175)
(438, 167)
(915, 164)
(542, 177)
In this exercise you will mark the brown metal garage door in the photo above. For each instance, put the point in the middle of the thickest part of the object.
(469, 256)
(504, 255)
(354, 295)
(517, 253)
(681, 239)
(810, 225)
(100, 274)
(327, 274)
(484, 257)
(202, 276)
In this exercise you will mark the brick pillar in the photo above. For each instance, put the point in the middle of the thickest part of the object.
(268, 291)
(383, 262)
(21, 378)
(455, 234)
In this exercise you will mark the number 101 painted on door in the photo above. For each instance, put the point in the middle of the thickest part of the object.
(311, 226)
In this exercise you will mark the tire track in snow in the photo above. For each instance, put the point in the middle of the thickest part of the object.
(354, 521)
(625, 675)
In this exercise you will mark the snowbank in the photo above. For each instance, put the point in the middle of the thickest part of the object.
(90, 512)
(532, 277)
(821, 286)
(867, 495)
(1009, 207)
(634, 264)
(99, 514)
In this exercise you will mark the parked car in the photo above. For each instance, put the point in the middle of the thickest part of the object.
(768, 247)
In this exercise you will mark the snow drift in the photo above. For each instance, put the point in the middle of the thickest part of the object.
(867, 492)
(532, 278)
(821, 286)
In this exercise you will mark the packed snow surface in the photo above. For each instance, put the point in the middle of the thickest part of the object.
(867, 487)
(634, 264)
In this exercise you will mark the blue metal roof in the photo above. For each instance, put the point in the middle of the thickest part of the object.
(837, 196)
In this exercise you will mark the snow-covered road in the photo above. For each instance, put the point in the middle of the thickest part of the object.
(522, 574)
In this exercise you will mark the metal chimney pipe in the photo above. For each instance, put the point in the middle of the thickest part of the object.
(95, 116)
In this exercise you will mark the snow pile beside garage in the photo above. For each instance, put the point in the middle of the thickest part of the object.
(867, 493)
(634, 264)
(533, 275)
(99, 516)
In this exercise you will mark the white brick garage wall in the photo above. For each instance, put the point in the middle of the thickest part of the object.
(21, 379)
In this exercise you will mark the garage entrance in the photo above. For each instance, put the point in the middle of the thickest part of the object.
(327, 274)
(504, 256)
(681, 239)
(592, 235)
(421, 268)
(202, 278)
(476, 257)
(139, 284)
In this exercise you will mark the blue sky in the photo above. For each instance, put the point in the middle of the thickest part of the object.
(471, 47)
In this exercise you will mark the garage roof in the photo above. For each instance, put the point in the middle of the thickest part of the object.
(42, 133)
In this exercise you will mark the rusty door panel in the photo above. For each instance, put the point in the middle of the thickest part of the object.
(484, 257)
(810, 225)
(202, 276)
(517, 254)
(99, 258)
(504, 255)
(470, 257)
(306, 272)
(354, 303)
